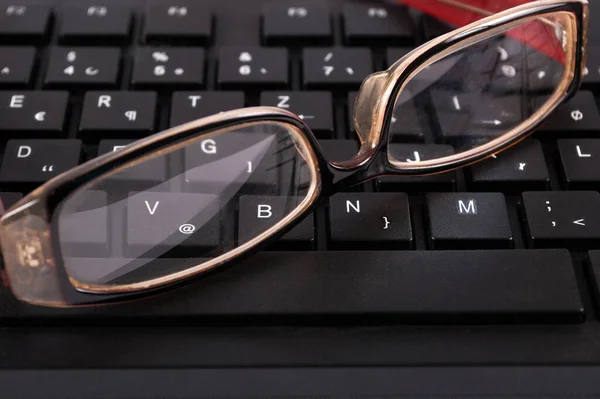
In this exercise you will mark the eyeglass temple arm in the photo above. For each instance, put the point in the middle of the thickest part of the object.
(3, 276)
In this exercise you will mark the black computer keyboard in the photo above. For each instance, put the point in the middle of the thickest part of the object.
(476, 274)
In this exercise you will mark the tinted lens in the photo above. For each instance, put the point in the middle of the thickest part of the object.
(483, 91)
(181, 209)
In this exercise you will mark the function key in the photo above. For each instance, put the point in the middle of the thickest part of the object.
(158, 66)
(580, 160)
(16, 65)
(177, 21)
(36, 161)
(101, 22)
(372, 23)
(24, 22)
(370, 219)
(120, 112)
(83, 66)
(187, 106)
(468, 220)
(578, 116)
(296, 23)
(563, 219)
(315, 108)
(336, 66)
(253, 66)
(520, 168)
(35, 112)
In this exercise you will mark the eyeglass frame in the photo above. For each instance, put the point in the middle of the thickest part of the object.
(36, 213)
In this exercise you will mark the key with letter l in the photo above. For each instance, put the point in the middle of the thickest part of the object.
(580, 163)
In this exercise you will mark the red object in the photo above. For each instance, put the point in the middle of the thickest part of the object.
(535, 34)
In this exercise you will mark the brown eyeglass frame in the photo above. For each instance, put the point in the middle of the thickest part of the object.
(29, 233)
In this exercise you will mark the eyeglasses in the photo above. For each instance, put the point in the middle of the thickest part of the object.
(164, 209)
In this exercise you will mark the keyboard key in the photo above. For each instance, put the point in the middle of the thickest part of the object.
(395, 53)
(33, 111)
(362, 287)
(416, 152)
(28, 22)
(224, 162)
(339, 150)
(178, 22)
(315, 108)
(580, 163)
(579, 116)
(336, 66)
(95, 22)
(187, 106)
(37, 160)
(16, 65)
(520, 168)
(563, 219)
(303, 22)
(468, 220)
(433, 27)
(159, 66)
(364, 23)
(374, 220)
(76, 236)
(258, 213)
(408, 125)
(155, 220)
(154, 170)
(123, 112)
(9, 199)
(253, 66)
(81, 66)
(592, 72)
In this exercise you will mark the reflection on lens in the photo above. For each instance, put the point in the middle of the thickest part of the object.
(485, 90)
(127, 228)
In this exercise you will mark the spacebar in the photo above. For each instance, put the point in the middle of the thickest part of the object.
(532, 286)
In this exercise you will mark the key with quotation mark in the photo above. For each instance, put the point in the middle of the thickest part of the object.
(563, 219)
(36, 161)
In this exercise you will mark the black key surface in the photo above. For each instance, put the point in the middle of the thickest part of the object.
(415, 153)
(580, 160)
(252, 67)
(304, 22)
(178, 21)
(362, 287)
(28, 22)
(375, 22)
(16, 65)
(468, 220)
(95, 22)
(160, 66)
(563, 219)
(34, 112)
(579, 116)
(591, 79)
(393, 54)
(335, 66)
(433, 27)
(375, 220)
(259, 213)
(38, 160)
(520, 168)
(315, 108)
(119, 111)
(159, 221)
(187, 106)
(339, 150)
(407, 125)
(83, 66)
(154, 170)
(84, 226)
(9, 199)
